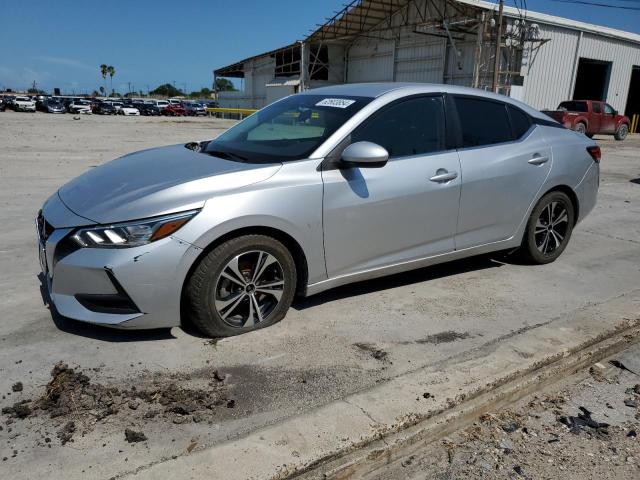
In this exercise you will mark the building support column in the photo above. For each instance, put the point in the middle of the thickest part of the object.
(574, 68)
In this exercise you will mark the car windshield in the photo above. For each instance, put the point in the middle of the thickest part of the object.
(573, 106)
(290, 129)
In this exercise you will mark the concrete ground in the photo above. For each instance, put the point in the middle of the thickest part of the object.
(537, 438)
(329, 347)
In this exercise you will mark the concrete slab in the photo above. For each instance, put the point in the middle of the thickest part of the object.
(433, 318)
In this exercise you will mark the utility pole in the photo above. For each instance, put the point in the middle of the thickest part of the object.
(496, 65)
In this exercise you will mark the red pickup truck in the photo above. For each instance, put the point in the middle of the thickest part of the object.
(591, 117)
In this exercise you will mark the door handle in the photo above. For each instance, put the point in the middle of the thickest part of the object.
(537, 159)
(443, 176)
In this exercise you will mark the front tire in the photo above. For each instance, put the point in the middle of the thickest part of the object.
(622, 132)
(581, 128)
(549, 228)
(242, 285)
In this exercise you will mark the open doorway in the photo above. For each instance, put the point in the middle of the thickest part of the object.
(633, 99)
(592, 80)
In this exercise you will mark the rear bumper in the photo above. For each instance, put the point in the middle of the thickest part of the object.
(587, 190)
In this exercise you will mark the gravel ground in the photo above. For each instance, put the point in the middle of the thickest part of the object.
(585, 427)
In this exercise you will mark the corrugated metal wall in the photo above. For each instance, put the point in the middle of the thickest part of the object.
(549, 73)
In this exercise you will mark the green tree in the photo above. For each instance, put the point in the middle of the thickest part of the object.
(203, 93)
(167, 90)
(111, 71)
(104, 71)
(224, 85)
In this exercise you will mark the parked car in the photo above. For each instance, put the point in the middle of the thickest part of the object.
(161, 104)
(23, 104)
(193, 109)
(79, 106)
(176, 110)
(128, 110)
(104, 108)
(54, 106)
(327, 187)
(591, 117)
(3, 105)
(147, 109)
(175, 101)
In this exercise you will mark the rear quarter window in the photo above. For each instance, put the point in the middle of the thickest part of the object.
(520, 121)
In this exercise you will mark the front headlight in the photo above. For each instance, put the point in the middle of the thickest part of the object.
(132, 234)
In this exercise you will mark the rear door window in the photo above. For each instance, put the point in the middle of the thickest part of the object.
(595, 106)
(412, 126)
(483, 122)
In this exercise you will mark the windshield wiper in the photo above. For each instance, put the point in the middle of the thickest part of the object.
(226, 155)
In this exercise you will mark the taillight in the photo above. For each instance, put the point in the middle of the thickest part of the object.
(595, 153)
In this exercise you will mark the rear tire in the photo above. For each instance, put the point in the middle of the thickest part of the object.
(244, 284)
(622, 132)
(581, 128)
(549, 228)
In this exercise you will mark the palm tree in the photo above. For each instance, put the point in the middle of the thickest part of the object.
(111, 71)
(103, 71)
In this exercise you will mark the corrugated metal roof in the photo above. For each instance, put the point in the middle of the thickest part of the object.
(361, 16)
(558, 21)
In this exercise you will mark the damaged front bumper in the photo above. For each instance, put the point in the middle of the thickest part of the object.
(138, 287)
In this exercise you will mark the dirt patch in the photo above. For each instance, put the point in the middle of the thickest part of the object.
(373, 350)
(79, 404)
(443, 337)
(132, 436)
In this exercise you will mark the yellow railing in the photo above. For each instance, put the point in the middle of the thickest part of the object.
(635, 119)
(240, 111)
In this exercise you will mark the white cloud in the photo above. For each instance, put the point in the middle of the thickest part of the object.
(66, 62)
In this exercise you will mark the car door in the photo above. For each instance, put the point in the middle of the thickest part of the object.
(405, 210)
(505, 161)
(608, 120)
(595, 119)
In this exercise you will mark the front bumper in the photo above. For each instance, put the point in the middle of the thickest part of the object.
(137, 287)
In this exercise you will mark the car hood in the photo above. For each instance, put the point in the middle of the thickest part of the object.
(156, 182)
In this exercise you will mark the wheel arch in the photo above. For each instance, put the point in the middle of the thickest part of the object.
(287, 240)
(573, 196)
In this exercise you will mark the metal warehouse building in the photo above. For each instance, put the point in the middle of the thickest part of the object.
(542, 59)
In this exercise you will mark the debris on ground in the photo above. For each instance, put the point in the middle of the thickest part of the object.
(576, 424)
(16, 387)
(573, 431)
(443, 337)
(65, 434)
(373, 350)
(19, 409)
(74, 402)
(621, 366)
(132, 436)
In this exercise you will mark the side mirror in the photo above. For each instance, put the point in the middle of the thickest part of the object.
(365, 154)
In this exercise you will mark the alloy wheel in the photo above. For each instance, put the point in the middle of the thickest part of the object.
(551, 228)
(249, 288)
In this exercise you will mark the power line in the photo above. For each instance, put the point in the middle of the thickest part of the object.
(593, 4)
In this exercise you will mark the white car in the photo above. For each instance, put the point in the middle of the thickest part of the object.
(128, 110)
(80, 106)
(23, 103)
(159, 103)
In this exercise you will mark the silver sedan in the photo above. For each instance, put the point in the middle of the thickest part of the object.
(319, 189)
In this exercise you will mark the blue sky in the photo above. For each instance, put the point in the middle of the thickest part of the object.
(61, 43)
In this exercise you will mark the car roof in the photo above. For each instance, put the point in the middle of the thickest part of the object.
(376, 90)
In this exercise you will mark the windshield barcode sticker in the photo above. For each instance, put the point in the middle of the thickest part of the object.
(335, 102)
